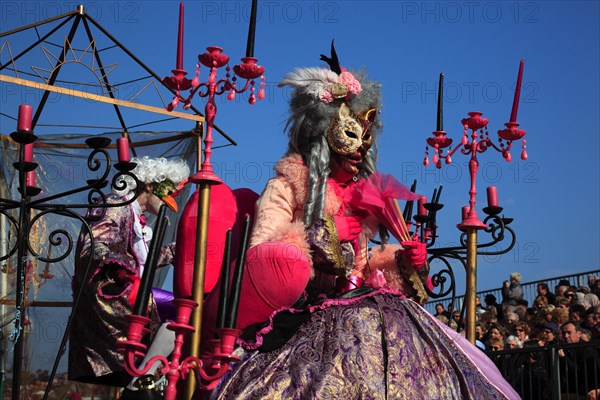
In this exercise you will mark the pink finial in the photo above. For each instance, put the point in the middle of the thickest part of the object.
(179, 62)
(515, 106)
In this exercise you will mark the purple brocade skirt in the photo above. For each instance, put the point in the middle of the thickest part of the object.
(379, 346)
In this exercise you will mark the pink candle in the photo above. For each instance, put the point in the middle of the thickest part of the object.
(30, 179)
(421, 204)
(123, 149)
(515, 106)
(24, 120)
(492, 196)
(28, 155)
(179, 62)
(465, 212)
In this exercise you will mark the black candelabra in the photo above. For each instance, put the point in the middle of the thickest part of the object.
(33, 205)
(501, 239)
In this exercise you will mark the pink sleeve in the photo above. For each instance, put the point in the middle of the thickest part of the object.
(274, 212)
(361, 256)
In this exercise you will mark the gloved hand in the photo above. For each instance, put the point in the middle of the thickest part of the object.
(414, 253)
(348, 227)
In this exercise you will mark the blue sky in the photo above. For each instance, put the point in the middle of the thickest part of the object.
(553, 196)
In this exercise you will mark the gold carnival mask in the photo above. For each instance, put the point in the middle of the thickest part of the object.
(349, 132)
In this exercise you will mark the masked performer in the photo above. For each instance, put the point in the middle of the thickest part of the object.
(121, 240)
(309, 246)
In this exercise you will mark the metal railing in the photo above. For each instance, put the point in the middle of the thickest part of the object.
(557, 372)
(529, 291)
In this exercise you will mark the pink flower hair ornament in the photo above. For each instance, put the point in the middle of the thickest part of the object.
(346, 85)
(325, 85)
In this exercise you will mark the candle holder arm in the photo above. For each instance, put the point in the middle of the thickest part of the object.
(430, 226)
(498, 229)
(15, 224)
(96, 198)
(8, 204)
(466, 149)
(462, 149)
(499, 149)
(220, 87)
(55, 237)
(443, 281)
(206, 381)
(223, 85)
(173, 369)
(242, 90)
(94, 164)
(130, 362)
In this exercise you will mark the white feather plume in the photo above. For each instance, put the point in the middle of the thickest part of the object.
(314, 80)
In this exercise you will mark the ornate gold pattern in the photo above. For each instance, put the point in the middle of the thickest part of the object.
(337, 134)
(339, 90)
(329, 248)
(379, 347)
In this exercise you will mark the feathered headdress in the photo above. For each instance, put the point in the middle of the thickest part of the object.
(326, 85)
(314, 104)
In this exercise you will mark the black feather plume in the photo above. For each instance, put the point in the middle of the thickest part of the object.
(334, 62)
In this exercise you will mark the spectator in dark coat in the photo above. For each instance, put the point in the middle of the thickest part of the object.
(493, 306)
(579, 365)
(544, 290)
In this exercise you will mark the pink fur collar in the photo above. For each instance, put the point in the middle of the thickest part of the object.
(292, 169)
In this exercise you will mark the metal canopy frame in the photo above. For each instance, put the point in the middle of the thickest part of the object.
(80, 20)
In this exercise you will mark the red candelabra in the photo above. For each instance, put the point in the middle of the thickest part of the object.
(480, 142)
(214, 58)
(175, 368)
(471, 224)
(189, 311)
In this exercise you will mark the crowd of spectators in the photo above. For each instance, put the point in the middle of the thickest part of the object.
(565, 315)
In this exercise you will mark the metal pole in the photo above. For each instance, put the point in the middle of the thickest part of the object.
(555, 373)
(471, 317)
(20, 287)
(4, 245)
(199, 273)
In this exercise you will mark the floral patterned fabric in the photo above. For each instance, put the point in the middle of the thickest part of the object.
(99, 321)
(380, 346)
(328, 254)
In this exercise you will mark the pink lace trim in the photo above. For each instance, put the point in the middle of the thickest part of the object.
(325, 304)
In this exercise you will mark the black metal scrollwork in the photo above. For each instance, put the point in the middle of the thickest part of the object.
(25, 215)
